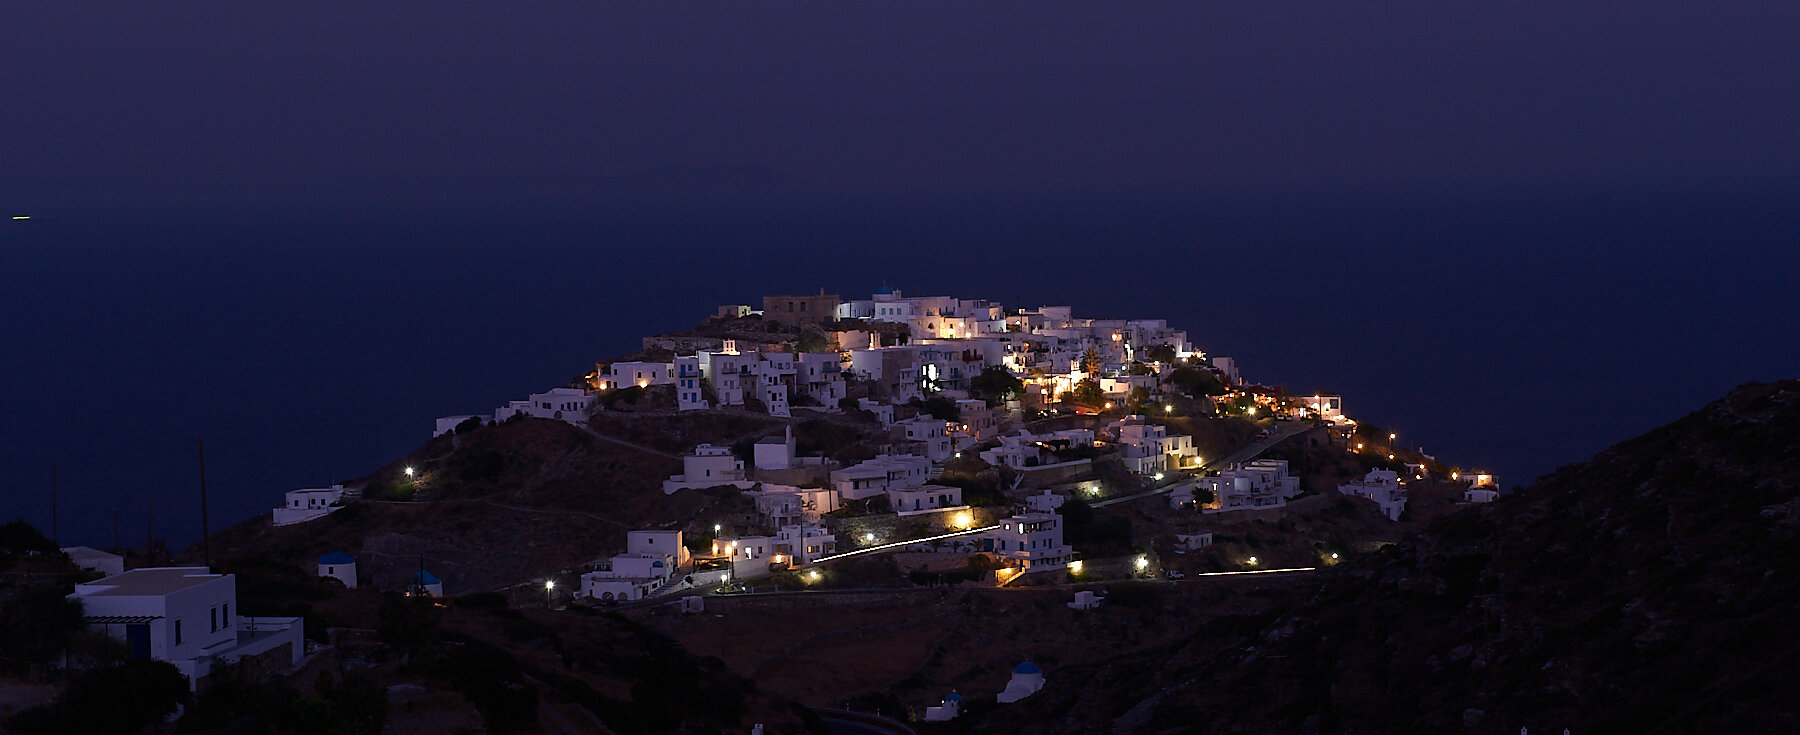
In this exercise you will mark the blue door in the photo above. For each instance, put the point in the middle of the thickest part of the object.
(137, 635)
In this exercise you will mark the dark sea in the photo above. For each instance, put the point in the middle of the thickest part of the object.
(1510, 329)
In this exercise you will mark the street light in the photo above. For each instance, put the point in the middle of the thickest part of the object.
(409, 472)
(1252, 560)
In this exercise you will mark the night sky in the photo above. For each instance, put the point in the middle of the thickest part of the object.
(229, 100)
(1517, 234)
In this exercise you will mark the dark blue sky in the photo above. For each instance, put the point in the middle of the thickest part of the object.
(210, 100)
(1516, 234)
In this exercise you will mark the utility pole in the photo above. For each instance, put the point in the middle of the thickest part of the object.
(53, 538)
(205, 541)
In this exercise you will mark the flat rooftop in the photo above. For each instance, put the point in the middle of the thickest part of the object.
(148, 581)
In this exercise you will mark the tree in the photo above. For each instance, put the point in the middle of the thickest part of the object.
(1162, 353)
(122, 698)
(38, 623)
(996, 384)
(1090, 362)
(940, 407)
(1087, 393)
(1196, 382)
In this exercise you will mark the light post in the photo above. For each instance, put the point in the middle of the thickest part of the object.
(550, 593)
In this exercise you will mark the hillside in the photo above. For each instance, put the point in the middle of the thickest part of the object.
(1649, 589)
(507, 503)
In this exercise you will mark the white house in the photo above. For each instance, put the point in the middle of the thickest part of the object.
(1483, 494)
(339, 566)
(876, 475)
(573, 405)
(1262, 484)
(784, 504)
(95, 560)
(931, 433)
(1032, 542)
(804, 543)
(664, 543)
(1045, 502)
(708, 466)
(640, 374)
(688, 395)
(305, 505)
(775, 452)
(1381, 486)
(1149, 448)
(883, 412)
(821, 376)
(924, 498)
(185, 616)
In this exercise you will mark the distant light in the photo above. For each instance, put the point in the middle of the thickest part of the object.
(813, 575)
(1252, 560)
(1075, 566)
(1334, 555)
(1142, 563)
(1390, 456)
(959, 455)
(549, 584)
(1157, 476)
(21, 216)
(1109, 405)
(1169, 408)
(1253, 412)
(1392, 437)
(409, 472)
(715, 528)
(868, 538)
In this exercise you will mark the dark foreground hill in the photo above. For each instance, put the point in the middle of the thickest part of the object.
(1653, 588)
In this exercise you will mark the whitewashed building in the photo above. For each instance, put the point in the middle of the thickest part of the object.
(688, 393)
(306, 505)
(1258, 485)
(924, 498)
(1383, 487)
(573, 405)
(876, 475)
(804, 543)
(1032, 542)
(931, 433)
(185, 616)
(95, 560)
(708, 466)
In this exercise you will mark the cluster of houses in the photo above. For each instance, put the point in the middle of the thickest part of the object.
(940, 345)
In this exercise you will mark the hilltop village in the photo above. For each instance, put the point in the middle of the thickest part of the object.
(822, 447)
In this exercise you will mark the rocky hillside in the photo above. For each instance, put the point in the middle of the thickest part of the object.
(1649, 589)
(506, 503)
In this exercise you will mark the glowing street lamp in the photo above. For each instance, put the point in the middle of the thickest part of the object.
(1142, 563)
(409, 472)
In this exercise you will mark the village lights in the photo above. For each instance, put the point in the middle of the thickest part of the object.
(1392, 436)
(1109, 405)
(963, 519)
(868, 538)
(1252, 410)
(549, 585)
(1169, 408)
(716, 528)
(1075, 567)
(1334, 556)
(1252, 560)
(1157, 476)
(409, 472)
(813, 575)
(1142, 562)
